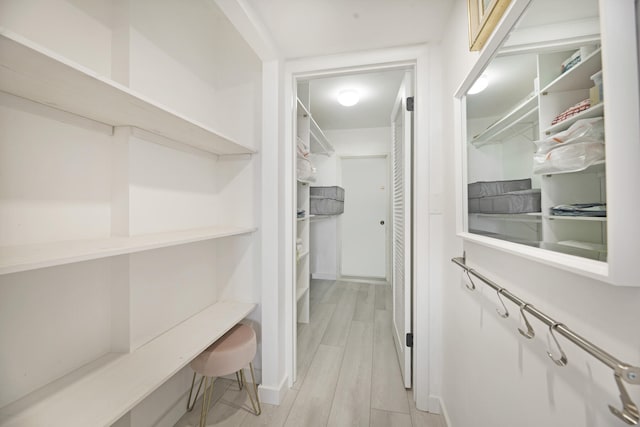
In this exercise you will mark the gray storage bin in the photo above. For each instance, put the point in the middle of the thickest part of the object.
(335, 192)
(494, 188)
(514, 202)
(326, 200)
(474, 204)
(322, 206)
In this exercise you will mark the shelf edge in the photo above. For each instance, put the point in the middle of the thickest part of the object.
(114, 246)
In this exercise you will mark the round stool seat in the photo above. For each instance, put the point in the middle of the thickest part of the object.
(228, 354)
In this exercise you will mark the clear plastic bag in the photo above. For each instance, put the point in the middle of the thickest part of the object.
(572, 150)
(302, 149)
(592, 129)
(569, 158)
(305, 170)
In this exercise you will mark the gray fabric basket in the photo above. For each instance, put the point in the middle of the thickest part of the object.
(323, 206)
(326, 200)
(494, 188)
(515, 202)
(335, 192)
(474, 204)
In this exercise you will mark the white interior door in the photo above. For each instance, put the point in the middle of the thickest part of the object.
(402, 131)
(364, 222)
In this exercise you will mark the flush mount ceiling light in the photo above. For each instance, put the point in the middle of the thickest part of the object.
(480, 85)
(348, 97)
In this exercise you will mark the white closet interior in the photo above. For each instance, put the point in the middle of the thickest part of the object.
(128, 206)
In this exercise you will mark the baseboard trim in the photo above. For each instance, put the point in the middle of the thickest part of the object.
(444, 412)
(359, 279)
(324, 276)
(434, 405)
(273, 395)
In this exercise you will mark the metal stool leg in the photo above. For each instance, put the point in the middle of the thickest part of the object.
(206, 400)
(239, 382)
(256, 405)
(255, 388)
(191, 404)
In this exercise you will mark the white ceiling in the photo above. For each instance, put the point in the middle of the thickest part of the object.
(378, 91)
(303, 28)
(306, 28)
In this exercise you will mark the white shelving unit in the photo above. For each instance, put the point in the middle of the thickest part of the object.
(576, 218)
(302, 256)
(559, 91)
(121, 267)
(33, 72)
(317, 139)
(14, 259)
(594, 111)
(102, 395)
(577, 77)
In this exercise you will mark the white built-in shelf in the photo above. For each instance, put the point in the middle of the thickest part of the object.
(578, 77)
(300, 292)
(304, 218)
(315, 218)
(577, 218)
(319, 142)
(595, 111)
(30, 71)
(597, 167)
(100, 396)
(598, 247)
(521, 217)
(30, 257)
(304, 181)
(523, 117)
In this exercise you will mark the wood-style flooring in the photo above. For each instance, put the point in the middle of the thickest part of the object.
(348, 372)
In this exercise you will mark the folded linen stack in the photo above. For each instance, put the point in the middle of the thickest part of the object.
(580, 209)
(572, 150)
(572, 111)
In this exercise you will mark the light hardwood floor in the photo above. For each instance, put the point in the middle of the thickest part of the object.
(348, 373)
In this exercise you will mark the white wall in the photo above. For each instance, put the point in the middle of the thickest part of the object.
(492, 375)
(360, 142)
(175, 51)
(55, 25)
(325, 233)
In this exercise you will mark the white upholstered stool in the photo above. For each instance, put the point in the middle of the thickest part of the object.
(231, 353)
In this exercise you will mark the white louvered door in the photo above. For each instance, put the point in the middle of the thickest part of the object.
(402, 130)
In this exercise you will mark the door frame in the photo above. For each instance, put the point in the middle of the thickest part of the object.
(387, 254)
(424, 61)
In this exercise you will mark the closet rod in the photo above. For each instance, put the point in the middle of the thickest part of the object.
(629, 373)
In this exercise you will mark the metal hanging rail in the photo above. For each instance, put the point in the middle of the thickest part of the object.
(621, 371)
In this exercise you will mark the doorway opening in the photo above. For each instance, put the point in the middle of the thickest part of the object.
(353, 201)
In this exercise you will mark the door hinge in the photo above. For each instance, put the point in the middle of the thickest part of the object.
(410, 103)
(409, 339)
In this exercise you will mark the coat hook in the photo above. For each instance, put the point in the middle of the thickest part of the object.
(473, 285)
(504, 314)
(629, 413)
(562, 361)
(530, 333)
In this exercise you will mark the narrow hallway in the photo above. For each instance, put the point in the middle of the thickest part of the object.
(348, 373)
